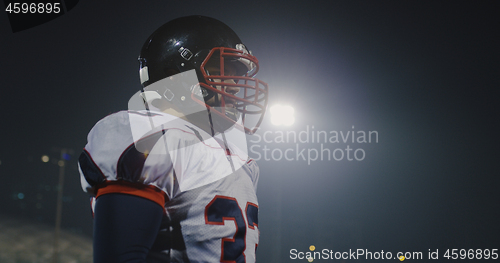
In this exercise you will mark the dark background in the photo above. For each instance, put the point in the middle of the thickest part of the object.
(423, 74)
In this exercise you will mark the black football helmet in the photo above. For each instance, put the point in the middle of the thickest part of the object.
(195, 43)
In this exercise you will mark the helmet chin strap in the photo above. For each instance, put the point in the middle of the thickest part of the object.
(223, 134)
(228, 152)
(211, 122)
(224, 140)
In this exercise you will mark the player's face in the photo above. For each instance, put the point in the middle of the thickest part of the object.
(214, 70)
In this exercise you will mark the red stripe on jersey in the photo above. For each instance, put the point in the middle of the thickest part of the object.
(149, 192)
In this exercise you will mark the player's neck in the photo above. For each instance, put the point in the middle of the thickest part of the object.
(199, 119)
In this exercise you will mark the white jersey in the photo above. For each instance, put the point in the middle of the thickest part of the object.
(206, 184)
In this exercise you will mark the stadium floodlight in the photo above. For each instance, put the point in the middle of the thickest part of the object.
(282, 115)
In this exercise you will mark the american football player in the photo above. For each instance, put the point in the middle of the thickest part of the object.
(170, 178)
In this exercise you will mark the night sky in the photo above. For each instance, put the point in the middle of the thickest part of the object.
(424, 76)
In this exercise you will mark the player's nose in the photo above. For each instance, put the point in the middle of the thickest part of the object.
(232, 89)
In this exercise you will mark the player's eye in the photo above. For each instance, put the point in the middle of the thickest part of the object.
(228, 71)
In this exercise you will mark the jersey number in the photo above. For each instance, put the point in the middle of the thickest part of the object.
(226, 208)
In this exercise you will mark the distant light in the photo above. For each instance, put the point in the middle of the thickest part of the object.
(66, 157)
(20, 196)
(45, 158)
(60, 163)
(282, 115)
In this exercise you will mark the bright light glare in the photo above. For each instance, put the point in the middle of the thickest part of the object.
(45, 158)
(282, 115)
